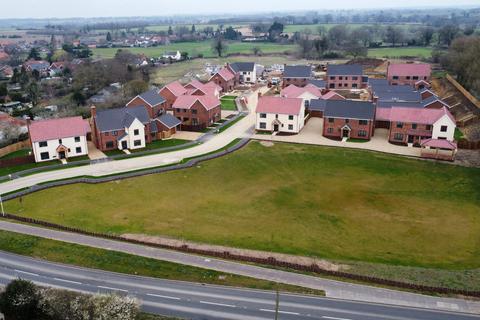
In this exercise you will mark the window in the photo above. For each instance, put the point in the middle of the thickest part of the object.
(331, 120)
(424, 78)
(78, 150)
(44, 155)
(194, 122)
(354, 85)
(347, 120)
(400, 125)
(109, 145)
(443, 129)
(60, 141)
(178, 110)
(276, 116)
(330, 130)
(106, 134)
(290, 117)
(263, 115)
(137, 143)
(307, 103)
(346, 78)
(395, 77)
(363, 122)
(428, 127)
(332, 78)
(415, 77)
(340, 78)
(414, 126)
(362, 133)
(354, 78)
(115, 133)
(398, 136)
(408, 77)
(136, 132)
(77, 139)
(340, 85)
(194, 111)
(42, 144)
(263, 125)
(290, 127)
(186, 119)
(332, 85)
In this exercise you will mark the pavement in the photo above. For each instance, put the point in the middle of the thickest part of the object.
(94, 153)
(333, 288)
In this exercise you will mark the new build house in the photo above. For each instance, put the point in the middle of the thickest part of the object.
(307, 93)
(417, 75)
(171, 92)
(155, 103)
(297, 75)
(197, 112)
(345, 76)
(280, 114)
(225, 79)
(245, 72)
(346, 119)
(57, 139)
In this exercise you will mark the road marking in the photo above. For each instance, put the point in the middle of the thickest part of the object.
(110, 288)
(160, 296)
(68, 281)
(218, 304)
(334, 318)
(25, 272)
(279, 311)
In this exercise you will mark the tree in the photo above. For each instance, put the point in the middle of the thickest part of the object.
(135, 87)
(109, 37)
(362, 34)
(3, 90)
(20, 301)
(78, 98)
(275, 30)
(219, 46)
(447, 33)
(170, 30)
(231, 34)
(426, 34)
(257, 51)
(338, 34)
(193, 29)
(184, 55)
(34, 54)
(33, 93)
(355, 50)
(394, 35)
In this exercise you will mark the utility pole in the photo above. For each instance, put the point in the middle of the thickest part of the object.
(1, 204)
(277, 304)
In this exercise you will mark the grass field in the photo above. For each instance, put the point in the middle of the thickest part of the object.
(314, 28)
(73, 254)
(421, 52)
(196, 48)
(228, 103)
(306, 200)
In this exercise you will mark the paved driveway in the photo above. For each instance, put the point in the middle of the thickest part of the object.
(94, 153)
(312, 134)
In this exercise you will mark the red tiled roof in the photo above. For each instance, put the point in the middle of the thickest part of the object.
(58, 128)
(415, 115)
(206, 88)
(176, 88)
(332, 94)
(4, 55)
(383, 114)
(292, 91)
(187, 101)
(439, 143)
(409, 69)
(226, 74)
(280, 105)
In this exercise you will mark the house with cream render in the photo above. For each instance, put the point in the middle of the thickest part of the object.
(280, 114)
(57, 139)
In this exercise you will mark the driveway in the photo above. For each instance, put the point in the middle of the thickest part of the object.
(312, 134)
(94, 153)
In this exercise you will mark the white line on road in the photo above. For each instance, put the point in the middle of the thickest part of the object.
(279, 311)
(67, 281)
(334, 318)
(110, 288)
(160, 296)
(25, 272)
(218, 304)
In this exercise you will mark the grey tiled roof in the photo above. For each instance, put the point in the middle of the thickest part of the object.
(344, 70)
(169, 121)
(411, 96)
(119, 118)
(297, 72)
(152, 97)
(317, 105)
(153, 127)
(349, 109)
(243, 66)
(406, 104)
(321, 84)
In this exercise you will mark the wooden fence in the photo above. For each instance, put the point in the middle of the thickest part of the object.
(14, 147)
(460, 88)
(17, 161)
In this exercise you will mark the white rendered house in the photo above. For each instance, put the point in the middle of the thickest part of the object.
(279, 114)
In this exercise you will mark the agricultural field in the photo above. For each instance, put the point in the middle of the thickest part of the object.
(164, 27)
(314, 28)
(316, 201)
(196, 48)
(420, 52)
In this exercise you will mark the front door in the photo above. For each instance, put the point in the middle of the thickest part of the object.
(124, 145)
(411, 139)
(275, 127)
(61, 154)
(346, 133)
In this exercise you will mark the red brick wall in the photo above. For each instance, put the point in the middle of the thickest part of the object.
(347, 82)
(338, 123)
(204, 117)
(152, 112)
(104, 137)
(436, 105)
(420, 132)
(402, 80)
(299, 82)
(169, 97)
(225, 85)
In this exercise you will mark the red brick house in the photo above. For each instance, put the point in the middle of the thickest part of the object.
(198, 88)
(225, 79)
(197, 112)
(299, 76)
(155, 103)
(171, 92)
(345, 76)
(346, 119)
(417, 75)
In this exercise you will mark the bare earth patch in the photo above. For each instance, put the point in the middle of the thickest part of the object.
(266, 143)
(324, 264)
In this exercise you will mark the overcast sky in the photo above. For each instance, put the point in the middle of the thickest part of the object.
(113, 8)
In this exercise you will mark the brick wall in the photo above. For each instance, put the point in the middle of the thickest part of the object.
(336, 126)
(203, 117)
(421, 132)
(299, 82)
(344, 82)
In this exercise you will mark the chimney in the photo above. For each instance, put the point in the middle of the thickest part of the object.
(93, 111)
(29, 121)
(259, 94)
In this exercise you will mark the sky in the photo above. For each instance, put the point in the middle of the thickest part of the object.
(125, 8)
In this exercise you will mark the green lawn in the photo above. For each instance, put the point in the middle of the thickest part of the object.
(88, 257)
(307, 200)
(160, 144)
(420, 52)
(16, 154)
(196, 48)
(9, 170)
(228, 103)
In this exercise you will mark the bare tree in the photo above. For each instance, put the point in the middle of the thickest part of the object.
(219, 46)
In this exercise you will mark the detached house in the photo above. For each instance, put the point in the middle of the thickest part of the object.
(307, 93)
(345, 76)
(245, 72)
(416, 75)
(198, 88)
(41, 66)
(155, 103)
(61, 138)
(171, 92)
(196, 112)
(345, 119)
(279, 114)
(225, 79)
(297, 75)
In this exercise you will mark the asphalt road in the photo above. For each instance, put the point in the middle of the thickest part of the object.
(196, 301)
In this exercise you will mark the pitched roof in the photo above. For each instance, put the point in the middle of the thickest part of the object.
(50, 129)
(176, 88)
(431, 99)
(439, 143)
(119, 118)
(321, 84)
(412, 96)
(406, 104)
(344, 70)
(423, 116)
(225, 73)
(280, 105)
(297, 72)
(409, 69)
(205, 88)
(152, 97)
(350, 109)
(317, 105)
(373, 82)
(187, 101)
(169, 121)
(243, 66)
(292, 91)
(332, 94)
